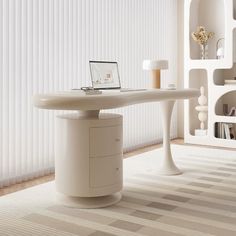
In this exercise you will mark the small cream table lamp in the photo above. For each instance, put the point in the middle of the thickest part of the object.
(155, 66)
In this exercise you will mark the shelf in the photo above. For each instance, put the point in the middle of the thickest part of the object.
(218, 16)
(226, 119)
(208, 140)
(220, 75)
(222, 89)
(218, 93)
(210, 14)
(205, 64)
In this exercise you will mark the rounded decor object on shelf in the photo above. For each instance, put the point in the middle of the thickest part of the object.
(202, 115)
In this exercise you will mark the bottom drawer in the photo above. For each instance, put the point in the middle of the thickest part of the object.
(105, 171)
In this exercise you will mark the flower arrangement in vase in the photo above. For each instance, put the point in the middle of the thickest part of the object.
(201, 36)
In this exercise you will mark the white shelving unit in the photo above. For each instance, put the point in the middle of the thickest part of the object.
(218, 16)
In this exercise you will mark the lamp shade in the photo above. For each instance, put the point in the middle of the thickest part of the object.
(155, 64)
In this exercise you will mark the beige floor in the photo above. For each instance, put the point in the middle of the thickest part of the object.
(28, 184)
(200, 202)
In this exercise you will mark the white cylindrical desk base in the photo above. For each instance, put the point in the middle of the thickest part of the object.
(168, 165)
(88, 202)
(88, 160)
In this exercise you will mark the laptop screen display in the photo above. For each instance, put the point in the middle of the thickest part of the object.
(104, 75)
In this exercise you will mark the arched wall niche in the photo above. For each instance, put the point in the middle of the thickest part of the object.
(210, 14)
(229, 99)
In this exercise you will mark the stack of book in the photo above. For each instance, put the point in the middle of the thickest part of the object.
(225, 131)
(230, 82)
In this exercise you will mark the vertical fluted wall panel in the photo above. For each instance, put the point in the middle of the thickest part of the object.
(45, 46)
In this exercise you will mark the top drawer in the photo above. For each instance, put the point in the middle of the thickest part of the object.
(105, 141)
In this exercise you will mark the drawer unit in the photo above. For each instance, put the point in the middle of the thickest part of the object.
(105, 141)
(89, 160)
(105, 171)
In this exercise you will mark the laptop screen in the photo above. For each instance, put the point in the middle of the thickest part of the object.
(104, 75)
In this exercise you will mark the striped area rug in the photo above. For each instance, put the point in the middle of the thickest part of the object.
(201, 201)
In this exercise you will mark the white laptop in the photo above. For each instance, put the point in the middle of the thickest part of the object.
(105, 75)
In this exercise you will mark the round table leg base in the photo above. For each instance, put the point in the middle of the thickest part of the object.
(88, 202)
(169, 171)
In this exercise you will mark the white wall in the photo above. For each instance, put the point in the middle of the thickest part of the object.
(45, 45)
(180, 80)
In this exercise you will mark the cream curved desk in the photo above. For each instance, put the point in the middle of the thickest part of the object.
(88, 146)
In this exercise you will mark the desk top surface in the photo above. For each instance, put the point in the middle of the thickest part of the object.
(78, 100)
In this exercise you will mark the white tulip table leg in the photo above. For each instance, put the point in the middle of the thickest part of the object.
(168, 166)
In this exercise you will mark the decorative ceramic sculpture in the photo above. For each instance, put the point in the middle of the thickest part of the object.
(220, 48)
(202, 115)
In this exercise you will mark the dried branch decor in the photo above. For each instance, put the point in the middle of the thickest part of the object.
(201, 36)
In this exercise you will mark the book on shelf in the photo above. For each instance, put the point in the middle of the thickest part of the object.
(230, 82)
(225, 130)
